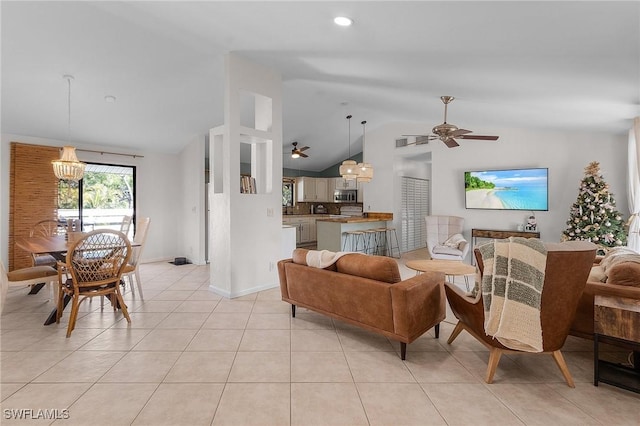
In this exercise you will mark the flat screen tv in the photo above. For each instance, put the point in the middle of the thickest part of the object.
(513, 189)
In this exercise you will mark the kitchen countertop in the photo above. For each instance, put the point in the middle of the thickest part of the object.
(353, 219)
(370, 217)
(284, 216)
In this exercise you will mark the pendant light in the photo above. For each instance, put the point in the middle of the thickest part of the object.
(349, 168)
(68, 167)
(365, 170)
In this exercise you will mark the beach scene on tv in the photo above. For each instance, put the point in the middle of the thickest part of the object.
(522, 189)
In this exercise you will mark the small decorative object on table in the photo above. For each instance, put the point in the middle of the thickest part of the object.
(532, 224)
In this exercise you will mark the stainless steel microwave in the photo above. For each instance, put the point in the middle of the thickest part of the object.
(345, 196)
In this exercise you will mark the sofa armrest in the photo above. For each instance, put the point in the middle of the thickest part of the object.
(609, 289)
(418, 304)
(464, 247)
(284, 290)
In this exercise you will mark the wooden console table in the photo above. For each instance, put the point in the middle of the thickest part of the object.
(617, 319)
(498, 234)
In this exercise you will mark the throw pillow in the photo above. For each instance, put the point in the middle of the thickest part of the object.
(454, 241)
(447, 250)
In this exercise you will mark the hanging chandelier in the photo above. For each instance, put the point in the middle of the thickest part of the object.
(68, 167)
(349, 168)
(365, 170)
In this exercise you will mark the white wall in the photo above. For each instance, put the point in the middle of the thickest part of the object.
(246, 229)
(157, 190)
(192, 206)
(565, 154)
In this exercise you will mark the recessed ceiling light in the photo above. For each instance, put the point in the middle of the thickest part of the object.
(110, 99)
(343, 21)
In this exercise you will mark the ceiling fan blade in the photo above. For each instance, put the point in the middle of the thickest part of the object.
(303, 155)
(430, 137)
(451, 142)
(459, 132)
(304, 148)
(479, 137)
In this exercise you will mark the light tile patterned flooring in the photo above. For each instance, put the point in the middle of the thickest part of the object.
(192, 358)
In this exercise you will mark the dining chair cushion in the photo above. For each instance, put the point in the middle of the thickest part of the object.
(31, 273)
(44, 260)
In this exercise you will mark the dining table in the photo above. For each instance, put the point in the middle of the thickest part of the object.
(57, 246)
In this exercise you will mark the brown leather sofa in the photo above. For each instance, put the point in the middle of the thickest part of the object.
(623, 281)
(366, 291)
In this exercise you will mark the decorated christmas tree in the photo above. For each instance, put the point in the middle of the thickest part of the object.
(593, 217)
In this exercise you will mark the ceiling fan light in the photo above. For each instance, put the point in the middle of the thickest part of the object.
(295, 155)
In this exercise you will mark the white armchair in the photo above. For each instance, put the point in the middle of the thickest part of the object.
(444, 238)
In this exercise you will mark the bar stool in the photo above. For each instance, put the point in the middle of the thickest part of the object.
(390, 246)
(354, 239)
(381, 241)
(371, 237)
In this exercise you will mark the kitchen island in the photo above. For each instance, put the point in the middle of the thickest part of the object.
(331, 231)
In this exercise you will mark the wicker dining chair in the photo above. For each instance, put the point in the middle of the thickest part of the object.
(95, 263)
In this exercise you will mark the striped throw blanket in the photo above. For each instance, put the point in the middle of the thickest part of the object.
(512, 290)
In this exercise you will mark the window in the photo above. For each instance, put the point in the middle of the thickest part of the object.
(102, 199)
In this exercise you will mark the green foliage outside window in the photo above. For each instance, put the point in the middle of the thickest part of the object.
(100, 191)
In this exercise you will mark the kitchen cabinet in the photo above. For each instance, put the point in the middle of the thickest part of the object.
(310, 189)
(340, 183)
(360, 192)
(305, 228)
(322, 190)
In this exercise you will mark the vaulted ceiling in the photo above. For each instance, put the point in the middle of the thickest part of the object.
(541, 65)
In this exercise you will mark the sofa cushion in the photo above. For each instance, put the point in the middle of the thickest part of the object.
(447, 250)
(377, 268)
(618, 255)
(626, 273)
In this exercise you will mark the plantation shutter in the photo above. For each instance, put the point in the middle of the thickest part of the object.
(415, 206)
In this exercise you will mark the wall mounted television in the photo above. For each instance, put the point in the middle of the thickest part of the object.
(512, 189)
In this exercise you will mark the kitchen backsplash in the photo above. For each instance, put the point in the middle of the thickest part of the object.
(305, 208)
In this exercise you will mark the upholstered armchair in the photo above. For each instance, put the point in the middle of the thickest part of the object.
(567, 267)
(444, 237)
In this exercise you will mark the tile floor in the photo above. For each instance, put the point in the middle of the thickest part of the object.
(192, 358)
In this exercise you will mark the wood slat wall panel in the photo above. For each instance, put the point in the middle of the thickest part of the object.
(33, 194)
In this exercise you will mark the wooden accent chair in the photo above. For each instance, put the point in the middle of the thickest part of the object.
(95, 262)
(26, 277)
(567, 268)
(132, 268)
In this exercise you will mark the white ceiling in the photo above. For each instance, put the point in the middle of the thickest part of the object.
(544, 65)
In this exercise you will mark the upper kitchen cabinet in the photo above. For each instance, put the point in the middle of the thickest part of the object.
(310, 189)
(340, 183)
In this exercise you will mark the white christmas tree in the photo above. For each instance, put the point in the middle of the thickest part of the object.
(593, 217)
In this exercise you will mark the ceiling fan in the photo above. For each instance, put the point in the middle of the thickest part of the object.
(448, 133)
(297, 152)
